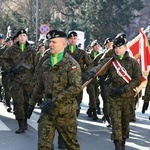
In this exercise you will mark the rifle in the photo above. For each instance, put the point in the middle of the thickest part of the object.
(98, 72)
(10, 75)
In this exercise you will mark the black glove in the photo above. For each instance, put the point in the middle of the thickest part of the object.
(92, 74)
(15, 70)
(47, 106)
(30, 110)
(145, 107)
(117, 91)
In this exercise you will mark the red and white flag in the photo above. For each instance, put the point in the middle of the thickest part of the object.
(140, 47)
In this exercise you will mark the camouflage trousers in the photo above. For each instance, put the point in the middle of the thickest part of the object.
(6, 86)
(20, 94)
(121, 111)
(66, 125)
(93, 96)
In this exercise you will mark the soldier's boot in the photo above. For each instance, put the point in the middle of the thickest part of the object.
(1, 98)
(123, 144)
(89, 113)
(61, 144)
(108, 120)
(8, 106)
(94, 114)
(104, 119)
(21, 126)
(117, 144)
(25, 124)
(98, 110)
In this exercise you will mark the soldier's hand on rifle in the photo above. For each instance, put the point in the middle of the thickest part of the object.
(15, 70)
(92, 74)
(117, 91)
(47, 106)
(145, 106)
(30, 110)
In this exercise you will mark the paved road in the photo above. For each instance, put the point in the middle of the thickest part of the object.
(92, 135)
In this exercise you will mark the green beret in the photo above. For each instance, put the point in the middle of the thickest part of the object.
(119, 42)
(72, 34)
(55, 34)
(8, 39)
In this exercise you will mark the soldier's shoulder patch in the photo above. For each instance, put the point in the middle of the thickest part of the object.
(74, 68)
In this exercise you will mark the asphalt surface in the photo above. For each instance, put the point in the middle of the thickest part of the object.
(92, 135)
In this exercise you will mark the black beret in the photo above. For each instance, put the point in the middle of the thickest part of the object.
(55, 34)
(119, 42)
(8, 39)
(121, 35)
(1, 36)
(22, 31)
(107, 40)
(72, 34)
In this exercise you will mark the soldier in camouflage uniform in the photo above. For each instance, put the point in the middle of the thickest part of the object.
(120, 92)
(146, 96)
(5, 78)
(104, 84)
(2, 46)
(60, 80)
(93, 87)
(21, 76)
(84, 60)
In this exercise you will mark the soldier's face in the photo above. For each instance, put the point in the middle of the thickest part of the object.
(73, 40)
(120, 51)
(57, 45)
(1, 41)
(22, 38)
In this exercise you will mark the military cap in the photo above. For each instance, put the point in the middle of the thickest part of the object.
(72, 34)
(119, 42)
(22, 31)
(107, 40)
(95, 42)
(121, 35)
(8, 39)
(1, 36)
(55, 34)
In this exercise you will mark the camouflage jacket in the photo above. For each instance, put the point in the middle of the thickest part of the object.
(63, 82)
(146, 97)
(12, 56)
(84, 60)
(133, 69)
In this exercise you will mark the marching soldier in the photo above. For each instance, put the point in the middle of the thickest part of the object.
(60, 81)
(20, 61)
(125, 75)
(5, 78)
(146, 96)
(93, 87)
(2, 48)
(104, 84)
(82, 58)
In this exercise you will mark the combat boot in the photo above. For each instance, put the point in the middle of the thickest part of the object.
(123, 144)
(108, 120)
(94, 114)
(117, 145)
(60, 143)
(98, 110)
(21, 126)
(25, 124)
(89, 112)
